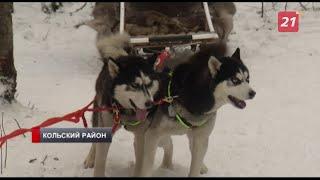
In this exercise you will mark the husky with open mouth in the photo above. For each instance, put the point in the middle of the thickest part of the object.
(199, 87)
(130, 86)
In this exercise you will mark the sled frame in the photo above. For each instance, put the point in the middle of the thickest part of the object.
(172, 39)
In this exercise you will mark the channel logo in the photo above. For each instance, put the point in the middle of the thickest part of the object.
(288, 21)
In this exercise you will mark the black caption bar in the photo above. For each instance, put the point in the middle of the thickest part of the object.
(75, 135)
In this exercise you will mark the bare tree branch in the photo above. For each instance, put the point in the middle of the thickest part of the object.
(1, 153)
(45, 158)
(19, 127)
(285, 6)
(302, 6)
(6, 149)
(45, 37)
(84, 5)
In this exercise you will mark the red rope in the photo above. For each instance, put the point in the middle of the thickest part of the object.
(75, 118)
(71, 117)
(161, 101)
(116, 122)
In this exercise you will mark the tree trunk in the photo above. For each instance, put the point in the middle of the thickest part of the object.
(8, 72)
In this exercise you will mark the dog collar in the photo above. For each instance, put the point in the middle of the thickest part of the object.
(131, 122)
(186, 124)
(181, 120)
(127, 112)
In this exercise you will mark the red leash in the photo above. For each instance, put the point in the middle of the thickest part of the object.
(71, 117)
(75, 118)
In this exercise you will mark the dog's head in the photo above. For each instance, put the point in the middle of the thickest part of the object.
(232, 80)
(134, 83)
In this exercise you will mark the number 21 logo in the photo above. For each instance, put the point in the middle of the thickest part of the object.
(288, 21)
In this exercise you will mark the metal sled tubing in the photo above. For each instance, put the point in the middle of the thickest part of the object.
(208, 16)
(173, 39)
(122, 11)
(170, 40)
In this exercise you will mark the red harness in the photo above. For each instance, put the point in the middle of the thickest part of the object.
(75, 118)
(80, 114)
(71, 117)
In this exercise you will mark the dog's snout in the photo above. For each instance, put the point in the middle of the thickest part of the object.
(252, 94)
(148, 104)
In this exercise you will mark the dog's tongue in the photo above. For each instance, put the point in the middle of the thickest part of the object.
(237, 102)
(141, 114)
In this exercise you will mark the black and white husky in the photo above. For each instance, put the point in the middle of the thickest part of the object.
(129, 84)
(201, 86)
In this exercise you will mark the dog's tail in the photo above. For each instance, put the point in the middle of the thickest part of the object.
(113, 45)
(217, 49)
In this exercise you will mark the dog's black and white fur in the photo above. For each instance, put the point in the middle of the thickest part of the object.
(131, 83)
(203, 84)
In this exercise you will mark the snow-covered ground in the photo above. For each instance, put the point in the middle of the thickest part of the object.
(276, 135)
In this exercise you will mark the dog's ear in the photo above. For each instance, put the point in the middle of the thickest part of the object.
(113, 68)
(236, 54)
(214, 65)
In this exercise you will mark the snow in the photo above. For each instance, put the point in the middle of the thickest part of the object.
(276, 135)
(3, 88)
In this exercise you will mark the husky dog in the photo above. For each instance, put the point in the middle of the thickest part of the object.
(201, 85)
(130, 84)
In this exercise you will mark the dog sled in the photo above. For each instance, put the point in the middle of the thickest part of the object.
(169, 40)
(162, 24)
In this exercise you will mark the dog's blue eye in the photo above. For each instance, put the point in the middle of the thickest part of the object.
(235, 81)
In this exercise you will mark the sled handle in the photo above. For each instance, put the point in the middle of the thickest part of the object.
(208, 16)
(122, 10)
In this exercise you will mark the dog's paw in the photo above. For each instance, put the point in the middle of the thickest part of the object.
(203, 169)
(88, 163)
